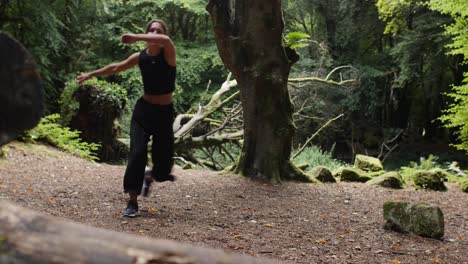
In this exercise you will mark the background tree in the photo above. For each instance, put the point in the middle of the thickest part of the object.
(249, 38)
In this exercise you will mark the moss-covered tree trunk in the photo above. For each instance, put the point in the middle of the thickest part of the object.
(249, 39)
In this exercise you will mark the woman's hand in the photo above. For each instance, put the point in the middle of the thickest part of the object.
(83, 77)
(128, 38)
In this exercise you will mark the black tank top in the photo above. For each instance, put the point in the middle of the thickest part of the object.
(158, 76)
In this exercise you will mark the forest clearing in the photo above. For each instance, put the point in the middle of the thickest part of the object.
(291, 222)
(291, 131)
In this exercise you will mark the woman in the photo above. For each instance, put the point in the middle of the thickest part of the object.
(153, 114)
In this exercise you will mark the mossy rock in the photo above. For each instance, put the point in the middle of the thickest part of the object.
(389, 180)
(420, 218)
(367, 163)
(323, 174)
(428, 180)
(374, 174)
(337, 172)
(464, 186)
(443, 174)
(354, 175)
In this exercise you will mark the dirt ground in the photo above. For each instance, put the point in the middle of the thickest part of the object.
(290, 222)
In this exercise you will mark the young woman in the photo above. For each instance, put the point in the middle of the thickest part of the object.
(153, 114)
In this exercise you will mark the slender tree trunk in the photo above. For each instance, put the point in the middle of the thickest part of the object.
(249, 39)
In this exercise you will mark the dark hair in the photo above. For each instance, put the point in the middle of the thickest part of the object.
(159, 21)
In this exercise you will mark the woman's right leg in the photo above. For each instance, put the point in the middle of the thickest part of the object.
(138, 156)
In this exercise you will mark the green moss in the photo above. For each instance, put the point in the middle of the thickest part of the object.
(427, 221)
(428, 180)
(322, 174)
(395, 216)
(464, 186)
(389, 180)
(367, 163)
(354, 175)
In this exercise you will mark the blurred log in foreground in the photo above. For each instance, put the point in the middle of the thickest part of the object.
(21, 92)
(29, 237)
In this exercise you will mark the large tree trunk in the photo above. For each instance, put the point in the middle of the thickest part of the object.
(29, 237)
(249, 39)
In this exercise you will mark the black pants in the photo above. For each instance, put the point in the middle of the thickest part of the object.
(149, 120)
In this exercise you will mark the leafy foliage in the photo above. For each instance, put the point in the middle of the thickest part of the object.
(315, 156)
(109, 94)
(50, 131)
(296, 40)
(456, 116)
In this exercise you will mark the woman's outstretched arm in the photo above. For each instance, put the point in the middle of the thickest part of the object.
(111, 68)
(154, 39)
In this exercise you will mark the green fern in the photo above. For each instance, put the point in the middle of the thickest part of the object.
(49, 131)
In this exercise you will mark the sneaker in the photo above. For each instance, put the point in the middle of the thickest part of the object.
(131, 210)
(169, 177)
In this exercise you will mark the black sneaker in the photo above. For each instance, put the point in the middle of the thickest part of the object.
(169, 177)
(131, 210)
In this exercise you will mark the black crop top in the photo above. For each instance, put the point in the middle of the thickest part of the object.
(158, 76)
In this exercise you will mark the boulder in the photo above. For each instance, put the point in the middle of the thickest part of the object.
(431, 180)
(322, 174)
(367, 163)
(21, 91)
(389, 180)
(419, 218)
(354, 175)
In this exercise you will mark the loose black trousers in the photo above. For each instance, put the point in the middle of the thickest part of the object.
(149, 120)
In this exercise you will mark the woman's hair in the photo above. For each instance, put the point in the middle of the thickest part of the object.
(159, 21)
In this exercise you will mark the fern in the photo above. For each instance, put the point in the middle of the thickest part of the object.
(49, 131)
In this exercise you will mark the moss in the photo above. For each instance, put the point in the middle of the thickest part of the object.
(367, 163)
(428, 180)
(389, 180)
(354, 175)
(464, 186)
(322, 174)
(421, 219)
(426, 221)
(395, 216)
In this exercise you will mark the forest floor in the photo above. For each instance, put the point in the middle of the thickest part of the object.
(290, 222)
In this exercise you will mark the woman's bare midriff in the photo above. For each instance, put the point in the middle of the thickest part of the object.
(160, 99)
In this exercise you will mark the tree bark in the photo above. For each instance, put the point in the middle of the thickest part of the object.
(29, 237)
(249, 39)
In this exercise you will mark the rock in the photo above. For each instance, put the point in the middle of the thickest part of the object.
(354, 175)
(337, 172)
(389, 180)
(322, 174)
(21, 91)
(420, 218)
(367, 163)
(431, 180)
(464, 185)
(443, 174)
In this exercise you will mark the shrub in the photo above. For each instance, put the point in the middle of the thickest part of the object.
(48, 130)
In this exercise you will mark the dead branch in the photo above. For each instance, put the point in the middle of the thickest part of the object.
(315, 134)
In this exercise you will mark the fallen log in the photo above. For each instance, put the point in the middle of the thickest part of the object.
(30, 237)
